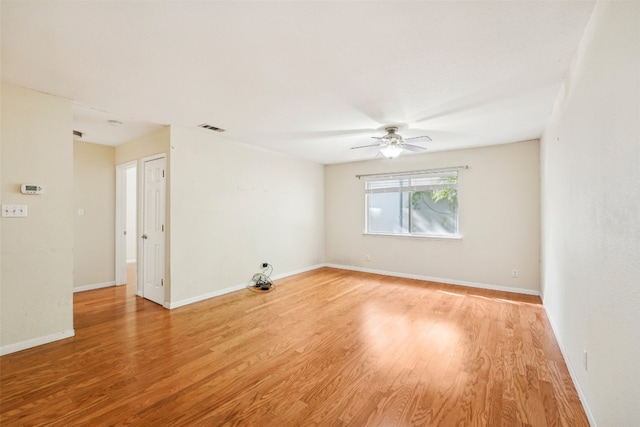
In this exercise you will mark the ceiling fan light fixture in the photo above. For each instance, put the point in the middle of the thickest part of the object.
(391, 151)
(392, 144)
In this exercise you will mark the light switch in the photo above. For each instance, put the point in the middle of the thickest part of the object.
(14, 211)
(80, 211)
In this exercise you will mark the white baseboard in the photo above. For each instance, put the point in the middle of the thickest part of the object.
(572, 371)
(93, 286)
(303, 270)
(34, 342)
(219, 292)
(216, 293)
(438, 279)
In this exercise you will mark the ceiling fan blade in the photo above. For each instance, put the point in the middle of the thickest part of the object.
(423, 137)
(414, 148)
(365, 146)
(377, 137)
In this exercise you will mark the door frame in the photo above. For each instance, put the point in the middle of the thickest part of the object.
(121, 220)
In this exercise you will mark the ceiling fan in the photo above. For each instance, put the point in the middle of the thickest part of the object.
(392, 144)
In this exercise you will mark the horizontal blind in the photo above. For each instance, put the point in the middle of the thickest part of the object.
(442, 180)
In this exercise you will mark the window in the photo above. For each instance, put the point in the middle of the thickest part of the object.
(413, 205)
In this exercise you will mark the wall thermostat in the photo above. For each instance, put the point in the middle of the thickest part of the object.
(30, 189)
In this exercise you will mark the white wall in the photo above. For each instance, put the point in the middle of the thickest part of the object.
(498, 217)
(234, 206)
(37, 251)
(591, 216)
(94, 232)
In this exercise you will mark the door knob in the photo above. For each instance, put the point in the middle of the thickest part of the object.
(144, 236)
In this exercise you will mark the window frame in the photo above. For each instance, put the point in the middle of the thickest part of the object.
(411, 177)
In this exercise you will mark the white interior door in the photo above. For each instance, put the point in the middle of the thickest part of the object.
(153, 230)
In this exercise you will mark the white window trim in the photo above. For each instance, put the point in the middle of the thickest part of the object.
(409, 174)
(453, 237)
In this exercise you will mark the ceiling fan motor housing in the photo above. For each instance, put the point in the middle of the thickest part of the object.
(392, 138)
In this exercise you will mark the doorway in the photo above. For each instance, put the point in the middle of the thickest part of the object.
(126, 226)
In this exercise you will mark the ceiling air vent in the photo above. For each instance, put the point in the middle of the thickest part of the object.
(206, 126)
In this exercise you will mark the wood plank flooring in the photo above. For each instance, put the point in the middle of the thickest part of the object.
(327, 348)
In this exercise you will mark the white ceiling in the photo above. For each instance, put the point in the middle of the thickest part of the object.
(308, 78)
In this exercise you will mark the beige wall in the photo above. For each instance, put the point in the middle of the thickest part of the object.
(498, 217)
(94, 232)
(591, 216)
(37, 251)
(147, 145)
(235, 206)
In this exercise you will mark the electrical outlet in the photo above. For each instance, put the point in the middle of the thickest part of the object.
(367, 257)
(515, 272)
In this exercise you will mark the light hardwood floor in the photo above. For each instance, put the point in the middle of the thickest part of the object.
(132, 271)
(328, 347)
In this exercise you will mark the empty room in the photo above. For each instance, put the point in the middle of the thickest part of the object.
(331, 213)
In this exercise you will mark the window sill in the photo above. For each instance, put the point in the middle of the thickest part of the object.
(456, 237)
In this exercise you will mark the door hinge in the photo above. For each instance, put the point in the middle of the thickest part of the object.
(163, 173)
(161, 282)
(162, 227)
